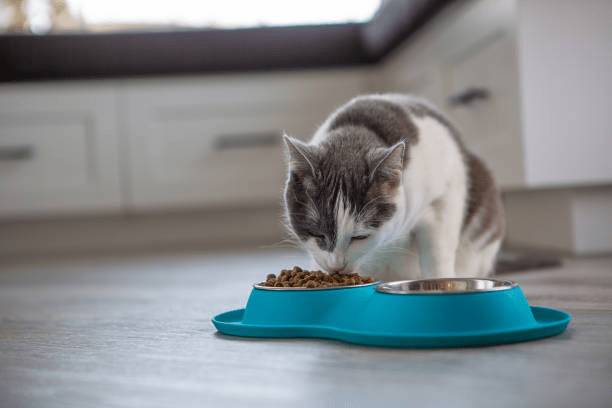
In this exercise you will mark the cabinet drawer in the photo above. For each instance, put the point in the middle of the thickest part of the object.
(213, 160)
(58, 151)
(49, 155)
(482, 99)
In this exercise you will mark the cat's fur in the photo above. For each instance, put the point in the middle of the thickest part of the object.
(386, 188)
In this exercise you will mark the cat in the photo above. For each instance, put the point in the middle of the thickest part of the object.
(386, 188)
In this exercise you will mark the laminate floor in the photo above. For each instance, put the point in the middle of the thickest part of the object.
(135, 331)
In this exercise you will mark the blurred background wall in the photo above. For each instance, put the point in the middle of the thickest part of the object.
(160, 125)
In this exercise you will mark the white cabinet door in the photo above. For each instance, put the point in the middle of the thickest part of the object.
(58, 149)
(482, 100)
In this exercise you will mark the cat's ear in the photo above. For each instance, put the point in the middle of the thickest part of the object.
(301, 156)
(387, 162)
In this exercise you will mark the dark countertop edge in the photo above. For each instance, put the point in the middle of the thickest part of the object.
(191, 52)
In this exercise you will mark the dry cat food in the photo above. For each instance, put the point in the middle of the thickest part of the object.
(299, 278)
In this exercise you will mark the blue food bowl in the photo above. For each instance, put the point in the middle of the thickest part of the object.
(448, 312)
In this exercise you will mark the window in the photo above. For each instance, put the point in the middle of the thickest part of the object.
(43, 16)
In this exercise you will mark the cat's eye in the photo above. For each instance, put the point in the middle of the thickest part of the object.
(359, 237)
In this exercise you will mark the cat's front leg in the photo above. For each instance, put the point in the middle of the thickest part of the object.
(392, 261)
(437, 236)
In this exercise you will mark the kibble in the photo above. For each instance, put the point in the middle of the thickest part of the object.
(300, 278)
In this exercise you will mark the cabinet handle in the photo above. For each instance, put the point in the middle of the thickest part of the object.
(246, 140)
(468, 96)
(24, 152)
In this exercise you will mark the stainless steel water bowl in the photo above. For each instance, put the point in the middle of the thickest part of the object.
(444, 286)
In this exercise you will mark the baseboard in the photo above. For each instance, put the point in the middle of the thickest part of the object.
(252, 227)
(575, 221)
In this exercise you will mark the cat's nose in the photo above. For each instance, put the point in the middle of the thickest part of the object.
(337, 263)
(338, 269)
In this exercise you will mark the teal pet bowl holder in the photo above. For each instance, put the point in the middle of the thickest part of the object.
(429, 313)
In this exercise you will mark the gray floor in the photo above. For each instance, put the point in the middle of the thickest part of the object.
(135, 331)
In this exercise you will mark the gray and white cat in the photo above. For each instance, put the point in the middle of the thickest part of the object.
(386, 188)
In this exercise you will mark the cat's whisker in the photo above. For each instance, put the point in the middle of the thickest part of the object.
(396, 250)
(281, 244)
(404, 250)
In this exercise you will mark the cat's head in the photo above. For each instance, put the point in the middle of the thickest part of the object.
(340, 198)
